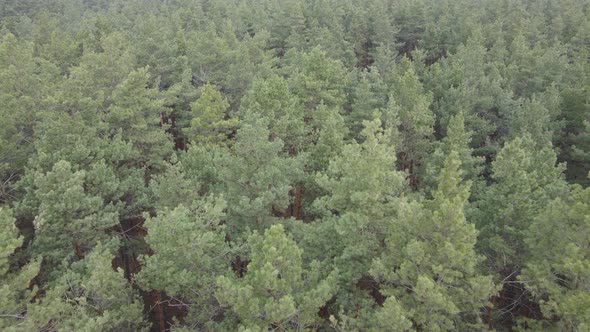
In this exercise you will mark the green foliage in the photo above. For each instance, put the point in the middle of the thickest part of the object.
(88, 297)
(209, 124)
(526, 180)
(70, 220)
(368, 103)
(8, 237)
(188, 269)
(136, 112)
(272, 99)
(13, 290)
(576, 134)
(100, 71)
(361, 185)
(278, 291)
(458, 139)
(25, 83)
(352, 146)
(436, 261)
(559, 277)
(316, 78)
(416, 121)
(257, 176)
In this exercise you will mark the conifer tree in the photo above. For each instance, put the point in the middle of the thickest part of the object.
(136, 112)
(430, 250)
(99, 73)
(14, 285)
(25, 81)
(277, 291)
(368, 103)
(416, 122)
(316, 78)
(158, 136)
(360, 188)
(558, 277)
(361, 184)
(209, 124)
(188, 269)
(526, 179)
(272, 99)
(90, 296)
(458, 139)
(70, 219)
(257, 176)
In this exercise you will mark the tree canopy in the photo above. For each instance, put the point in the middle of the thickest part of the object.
(294, 165)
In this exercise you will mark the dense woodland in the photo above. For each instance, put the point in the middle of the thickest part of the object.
(294, 165)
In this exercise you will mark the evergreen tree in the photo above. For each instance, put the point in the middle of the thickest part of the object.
(70, 220)
(136, 112)
(256, 177)
(100, 71)
(157, 136)
(458, 139)
(89, 296)
(558, 277)
(368, 102)
(430, 251)
(361, 188)
(209, 124)
(526, 180)
(575, 140)
(14, 289)
(315, 78)
(361, 184)
(272, 99)
(25, 81)
(278, 291)
(416, 122)
(198, 234)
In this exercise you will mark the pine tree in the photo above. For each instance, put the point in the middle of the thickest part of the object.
(359, 189)
(526, 178)
(198, 234)
(89, 296)
(24, 83)
(458, 139)
(178, 98)
(100, 71)
(10, 239)
(53, 43)
(288, 26)
(210, 124)
(271, 99)
(575, 138)
(416, 122)
(537, 117)
(430, 251)
(327, 131)
(71, 219)
(559, 277)
(360, 184)
(14, 285)
(316, 78)
(581, 147)
(469, 82)
(277, 291)
(256, 176)
(367, 104)
(136, 112)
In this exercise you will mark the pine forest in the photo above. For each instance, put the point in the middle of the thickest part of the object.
(295, 165)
